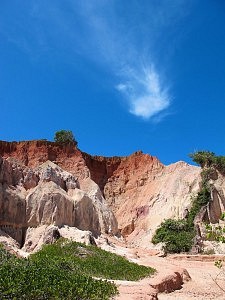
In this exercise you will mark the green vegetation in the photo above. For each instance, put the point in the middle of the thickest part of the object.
(203, 158)
(177, 235)
(65, 270)
(215, 233)
(65, 137)
(203, 197)
(207, 159)
(222, 217)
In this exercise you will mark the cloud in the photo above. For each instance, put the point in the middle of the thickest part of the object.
(144, 92)
(104, 33)
(122, 48)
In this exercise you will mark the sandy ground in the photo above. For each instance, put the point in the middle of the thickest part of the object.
(201, 269)
(201, 286)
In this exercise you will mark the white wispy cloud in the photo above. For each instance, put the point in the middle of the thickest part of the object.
(111, 35)
(143, 88)
(145, 93)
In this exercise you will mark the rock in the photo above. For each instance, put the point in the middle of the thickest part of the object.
(51, 235)
(133, 292)
(85, 213)
(127, 230)
(8, 242)
(36, 237)
(108, 222)
(30, 179)
(49, 204)
(116, 190)
(167, 283)
(74, 234)
(48, 196)
(49, 171)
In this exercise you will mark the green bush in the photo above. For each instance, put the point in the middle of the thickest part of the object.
(65, 137)
(65, 270)
(89, 259)
(207, 159)
(203, 197)
(176, 235)
(203, 158)
(219, 163)
(215, 233)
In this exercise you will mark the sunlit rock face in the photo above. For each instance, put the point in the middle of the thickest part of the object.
(45, 187)
(44, 183)
(32, 196)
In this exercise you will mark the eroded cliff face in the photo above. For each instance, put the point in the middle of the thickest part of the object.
(47, 195)
(139, 190)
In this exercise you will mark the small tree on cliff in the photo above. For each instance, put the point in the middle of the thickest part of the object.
(65, 137)
(203, 158)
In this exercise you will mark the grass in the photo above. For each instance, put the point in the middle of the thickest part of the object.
(65, 270)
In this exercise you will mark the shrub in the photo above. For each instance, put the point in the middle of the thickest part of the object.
(215, 233)
(65, 270)
(65, 137)
(176, 235)
(207, 159)
(203, 158)
(89, 259)
(203, 197)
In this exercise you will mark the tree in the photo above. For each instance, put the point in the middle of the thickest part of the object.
(65, 137)
(203, 158)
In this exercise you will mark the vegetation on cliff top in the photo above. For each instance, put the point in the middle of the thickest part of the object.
(65, 270)
(65, 137)
(207, 159)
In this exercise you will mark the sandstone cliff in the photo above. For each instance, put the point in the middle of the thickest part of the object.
(46, 195)
(45, 183)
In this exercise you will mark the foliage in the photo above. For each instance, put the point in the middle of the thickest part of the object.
(207, 159)
(219, 163)
(222, 217)
(65, 137)
(215, 233)
(89, 259)
(65, 270)
(203, 197)
(203, 158)
(176, 235)
(219, 264)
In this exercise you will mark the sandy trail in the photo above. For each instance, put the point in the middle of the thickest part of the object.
(202, 272)
(202, 286)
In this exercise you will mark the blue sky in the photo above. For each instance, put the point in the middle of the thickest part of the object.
(123, 75)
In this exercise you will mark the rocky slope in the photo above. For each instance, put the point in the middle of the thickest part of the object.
(44, 183)
(41, 201)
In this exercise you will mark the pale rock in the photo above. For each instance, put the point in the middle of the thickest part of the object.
(166, 193)
(36, 237)
(31, 200)
(77, 235)
(85, 213)
(49, 204)
(49, 171)
(108, 222)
